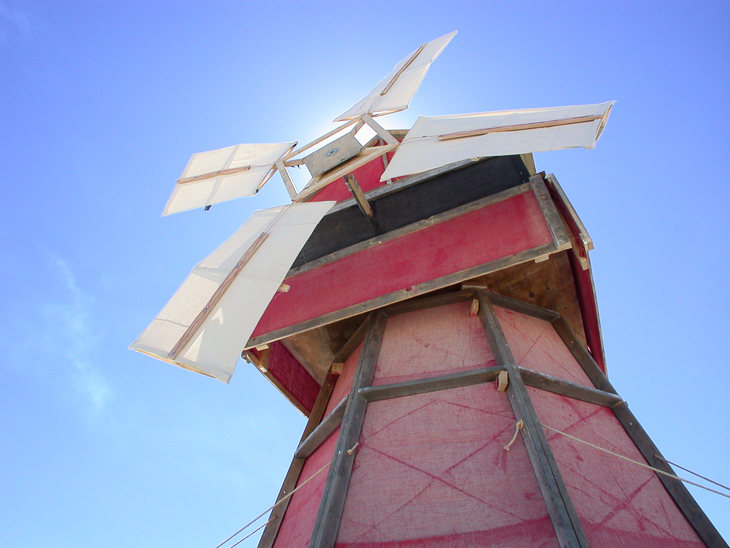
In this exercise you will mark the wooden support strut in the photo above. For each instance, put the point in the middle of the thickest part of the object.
(676, 489)
(208, 308)
(333, 500)
(519, 127)
(560, 507)
(315, 418)
(359, 195)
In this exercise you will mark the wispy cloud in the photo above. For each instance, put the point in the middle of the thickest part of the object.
(70, 320)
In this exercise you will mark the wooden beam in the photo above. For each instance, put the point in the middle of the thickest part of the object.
(557, 229)
(676, 489)
(301, 149)
(295, 468)
(290, 188)
(432, 384)
(320, 182)
(570, 389)
(357, 192)
(383, 133)
(523, 307)
(208, 308)
(560, 507)
(431, 301)
(335, 490)
(351, 345)
(219, 173)
(519, 127)
(322, 432)
(405, 66)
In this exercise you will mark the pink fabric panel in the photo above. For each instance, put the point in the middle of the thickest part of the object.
(433, 252)
(298, 523)
(431, 342)
(619, 503)
(288, 371)
(431, 471)
(536, 345)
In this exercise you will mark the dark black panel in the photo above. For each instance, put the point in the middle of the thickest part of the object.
(414, 203)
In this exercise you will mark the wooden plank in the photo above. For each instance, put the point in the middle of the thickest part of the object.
(208, 308)
(570, 389)
(351, 345)
(502, 381)
(351, 165)
(676, 489)
(405, 66)
(560, 507)
(219, 173)
(338, 479)
(383, 133)
(310, 444)
(403, 294)
(431, 384)
(560, 234)
(327, 135)
(357, 192)
(295, 468)
(290, 188)
(431, 301)
(523, 307)
(519, 127)
(585, 238)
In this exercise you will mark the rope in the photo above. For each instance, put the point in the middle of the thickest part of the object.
(278, 502)
(518, 426)
(691, 472)
(634, 461)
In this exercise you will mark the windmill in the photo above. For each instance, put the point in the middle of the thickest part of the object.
(427, 301)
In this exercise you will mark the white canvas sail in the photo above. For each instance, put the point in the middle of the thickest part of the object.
(224, 174)
(437, 141)
(209, 319)
(394, 92)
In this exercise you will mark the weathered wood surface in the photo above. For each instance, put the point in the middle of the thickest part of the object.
(335, 491)
(432, 384)
(560, 507)
(543, 381)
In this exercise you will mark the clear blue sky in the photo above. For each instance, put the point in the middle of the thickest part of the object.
(102, 104)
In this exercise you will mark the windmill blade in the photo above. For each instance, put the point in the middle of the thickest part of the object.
(225, 174)
(436, 141)
(394, 92)
(211, 316)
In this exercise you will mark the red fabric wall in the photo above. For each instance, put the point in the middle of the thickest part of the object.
(431, 469)
(495, 231)
(619, 503)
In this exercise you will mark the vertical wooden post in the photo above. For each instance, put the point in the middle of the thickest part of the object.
(562, 513)
(335, 490)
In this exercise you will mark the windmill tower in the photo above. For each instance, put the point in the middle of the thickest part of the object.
(427, 301)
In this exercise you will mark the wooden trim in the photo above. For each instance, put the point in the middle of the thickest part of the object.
(557, 229)
(351, 165)
(383, 133)
(403, 294)
(676, 489)
(203, 314)
(301, 149)
(567, 388)
(310, 444)
(523, 307)
(413, 227)
(585, 238)
(295, 468)
(219, 173)
(560, 507)
(432, 301)
(338, 479)
(519, 127)
(431, 384)
(290, 188)
(408, 63)
(357, 192)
